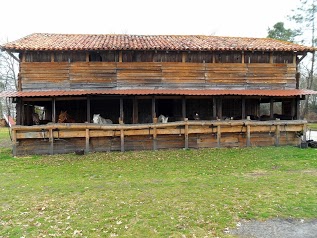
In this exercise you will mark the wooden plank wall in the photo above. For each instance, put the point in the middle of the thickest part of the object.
(99, 75)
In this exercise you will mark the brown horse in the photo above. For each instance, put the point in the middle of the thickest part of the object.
(64, 117)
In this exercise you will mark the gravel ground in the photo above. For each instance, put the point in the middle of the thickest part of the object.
(276, 228)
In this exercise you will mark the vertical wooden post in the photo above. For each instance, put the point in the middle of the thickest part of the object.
(52, 57)
(297, 76)
(183, 57)
(153, 107)
(297, 108)
(271, 108)
(277, 134)
(271, 58)
(120, 56)
(214, 107)
(219, 108)
(22, 112)
(87, 140)
(88, 109)
(304, 132)
(155, 134)
(135, 112)
(14, 141)
(186, 133)
(248, 135)
(87, 56)
(242, 57)
(121, 110)
(218, 136)
(293, 108)
(183, 107)
(51, 140)
(122, 137)
(53, 110)
(243, 116)
(19, 106)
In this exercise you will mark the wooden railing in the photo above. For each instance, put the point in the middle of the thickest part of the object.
(220, 131)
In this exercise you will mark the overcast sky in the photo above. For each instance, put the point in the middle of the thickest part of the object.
(249, 18)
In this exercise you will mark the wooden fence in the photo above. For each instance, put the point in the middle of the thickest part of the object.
(70, 137)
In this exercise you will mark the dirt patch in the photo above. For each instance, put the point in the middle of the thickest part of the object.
(275, 228)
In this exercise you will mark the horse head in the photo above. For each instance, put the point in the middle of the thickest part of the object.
(63, 116)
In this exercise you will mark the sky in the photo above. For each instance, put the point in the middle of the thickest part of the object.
(245, 18)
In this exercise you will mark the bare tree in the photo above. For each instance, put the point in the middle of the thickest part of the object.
(8, 79)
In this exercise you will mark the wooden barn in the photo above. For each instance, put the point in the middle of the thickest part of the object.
(215, 91)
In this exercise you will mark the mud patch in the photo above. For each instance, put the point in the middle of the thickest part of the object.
(275, 228)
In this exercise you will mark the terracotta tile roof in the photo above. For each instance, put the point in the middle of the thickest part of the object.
(202, 92)
(65, 42)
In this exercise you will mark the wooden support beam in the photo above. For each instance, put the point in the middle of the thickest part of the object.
(219, 108)
(19, 107)
(218, 136)
(153, 107)
(13, 56)
(52, 57)
(14, 142)
(155, 134)
(186, 133)
(183, 57)
(120, 56)
(297, 108)
(122, 140)
(248, 135)
(135, 112)
(51, 140)
(53, 110)
(121, 110)
(277, 134)
(184, 107)
(242, 57)
(214, 107)
(87, 140)
(87, 56)
(271, 58)
(243, 116)
(88, 109)
(271, 108)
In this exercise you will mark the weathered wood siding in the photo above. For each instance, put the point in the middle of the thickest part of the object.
(103, 75)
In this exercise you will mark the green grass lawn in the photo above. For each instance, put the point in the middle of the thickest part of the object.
(175, 193)
(312, 126)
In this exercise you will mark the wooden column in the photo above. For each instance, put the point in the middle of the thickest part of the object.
(304, 132)
(218, 136)
(242, 57)
(51, 140)
(87, 140)
(186, 133)
(297, 76)
(214, 107)
(52, 57)
(88, 109)
(183, 57)
(53, 110)
(87, 56)
(271, 108)
(271, 58)
(297, 108)
(121, 110)
(184, 107)
(14, 142)
(122, 137)
(293, 108)
(243, 108)
(219, 108)
(135, 111)
(277, 134)
(120, 56)
(153, 107)
(19, 106)
(155, 134)
(248, 135)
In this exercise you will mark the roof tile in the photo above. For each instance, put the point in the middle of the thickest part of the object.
(42, 41)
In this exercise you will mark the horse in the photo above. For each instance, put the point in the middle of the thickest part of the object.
(100, 120)
(196, 116)
(65, 118)
(35, 118)
(162, 119)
